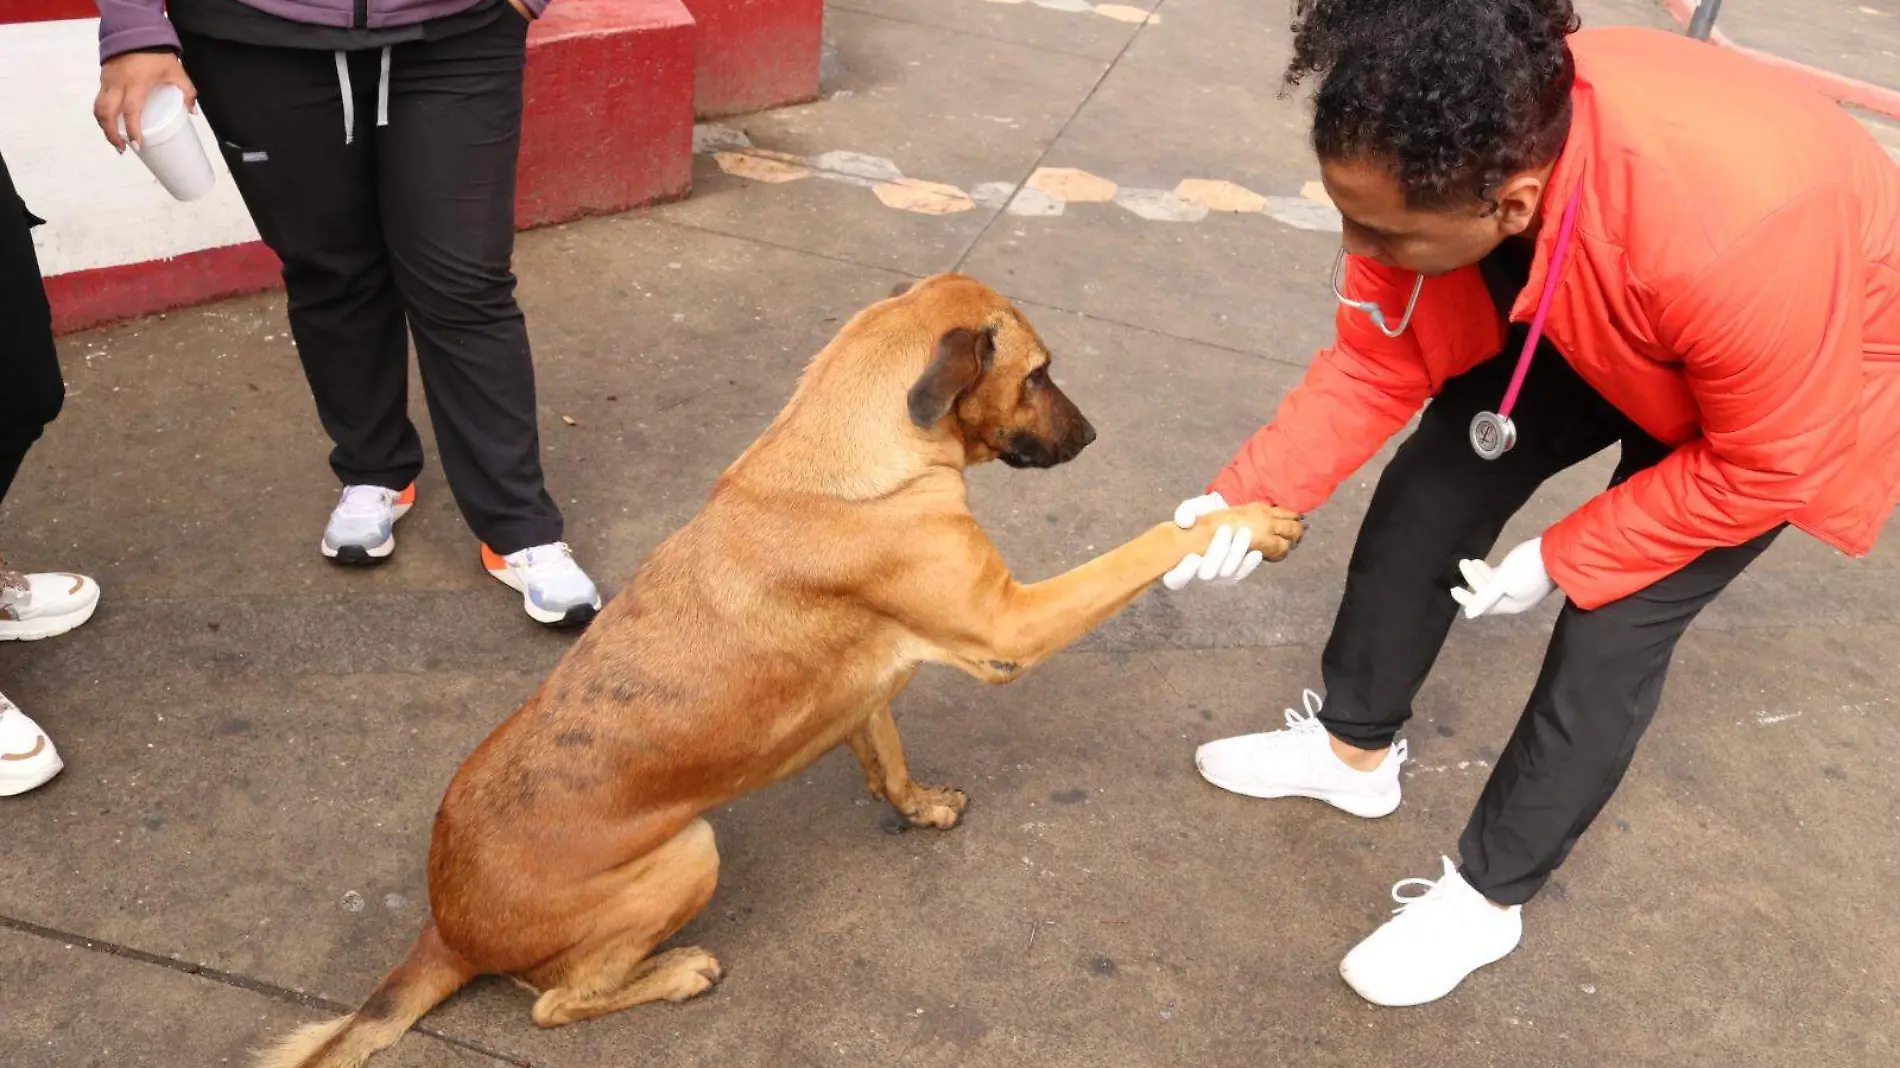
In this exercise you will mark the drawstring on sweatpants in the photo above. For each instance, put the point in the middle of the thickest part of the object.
(349, 96)
(382, 91)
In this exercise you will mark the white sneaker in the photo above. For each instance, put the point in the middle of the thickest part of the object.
(1300, 762)
(40, 606)
(1434, 941)
(27, 756)
(362, 529)
(554, 590)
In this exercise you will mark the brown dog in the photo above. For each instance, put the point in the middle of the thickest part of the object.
(835, 556)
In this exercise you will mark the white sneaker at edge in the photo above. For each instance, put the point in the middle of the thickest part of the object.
(45, 605)
(27, 756)
(1300, 762)
(1436, 939)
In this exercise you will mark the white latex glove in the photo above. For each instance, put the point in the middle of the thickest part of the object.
(1230, 557)
(1516, 585)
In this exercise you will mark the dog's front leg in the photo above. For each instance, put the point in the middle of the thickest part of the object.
(996, 628)
(881, 753)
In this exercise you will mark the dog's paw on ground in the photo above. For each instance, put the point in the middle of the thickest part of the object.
(938, 808)
(675, 975)
(691, 971)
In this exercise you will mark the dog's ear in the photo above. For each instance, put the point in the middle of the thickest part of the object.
(962, 357)
(901, 288)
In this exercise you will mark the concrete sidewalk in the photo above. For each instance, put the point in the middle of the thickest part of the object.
(1857, 38)
(256, 741)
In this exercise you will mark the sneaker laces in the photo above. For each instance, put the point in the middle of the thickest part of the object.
(548, 562)
(12, 581)
(365, 502)
(1431, 888)
(1306, 719)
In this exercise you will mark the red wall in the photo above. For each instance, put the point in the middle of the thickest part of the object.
(46, 10)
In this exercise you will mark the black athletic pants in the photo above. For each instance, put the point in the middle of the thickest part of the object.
(1438, 503)
(409, 229)
(31, 389)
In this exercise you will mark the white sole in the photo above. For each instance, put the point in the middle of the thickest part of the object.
(1365, 806)
(32, 630)
(1422, 999)
(506, 576)
(16, 787)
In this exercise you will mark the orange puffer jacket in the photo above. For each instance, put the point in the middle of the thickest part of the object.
(1733, 287)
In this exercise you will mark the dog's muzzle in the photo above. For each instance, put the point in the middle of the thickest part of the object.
(1026, 450)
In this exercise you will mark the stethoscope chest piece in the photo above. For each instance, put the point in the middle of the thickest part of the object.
(1492, 435)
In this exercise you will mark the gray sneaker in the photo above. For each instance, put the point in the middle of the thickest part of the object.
(362, 530)
(554, 590)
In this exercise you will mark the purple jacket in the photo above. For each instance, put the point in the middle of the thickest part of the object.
(128, 25)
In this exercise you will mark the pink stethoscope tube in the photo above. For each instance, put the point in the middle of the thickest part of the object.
(1492, 433)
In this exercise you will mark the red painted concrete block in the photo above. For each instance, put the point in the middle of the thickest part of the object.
(756, 54)
(609, 122)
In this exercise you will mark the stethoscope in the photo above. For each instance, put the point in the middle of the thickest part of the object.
(1492, 433)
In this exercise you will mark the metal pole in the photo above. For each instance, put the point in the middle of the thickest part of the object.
(1702, 23)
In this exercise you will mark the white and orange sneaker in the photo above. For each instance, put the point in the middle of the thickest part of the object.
(554, 590)
(362, 529)
(27, 756)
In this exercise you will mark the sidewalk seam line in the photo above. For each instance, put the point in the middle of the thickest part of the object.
(958, 30)
(1027, 302)
(240, 982)
(1087, 98)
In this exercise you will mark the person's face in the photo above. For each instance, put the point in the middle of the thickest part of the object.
(1380, 227)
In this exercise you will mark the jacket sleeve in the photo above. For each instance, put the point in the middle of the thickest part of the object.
(1356, 394)
(131, 25)
(1769, 336)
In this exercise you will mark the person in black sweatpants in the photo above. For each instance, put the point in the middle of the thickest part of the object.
(32, 391)
(1437, 503)
(31, 388)
(379, 164)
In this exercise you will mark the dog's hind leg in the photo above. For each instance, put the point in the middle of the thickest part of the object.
(611, 969)
(881, 753)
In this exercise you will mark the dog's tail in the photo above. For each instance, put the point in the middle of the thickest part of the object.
(424, 979)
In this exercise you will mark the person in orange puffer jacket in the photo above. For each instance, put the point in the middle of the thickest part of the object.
(1711, 254)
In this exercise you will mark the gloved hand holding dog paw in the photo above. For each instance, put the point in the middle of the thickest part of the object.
(1228, 559)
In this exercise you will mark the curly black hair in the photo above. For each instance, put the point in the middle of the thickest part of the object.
(1453, 95)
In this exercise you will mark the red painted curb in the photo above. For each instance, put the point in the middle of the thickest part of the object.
(756, 54)
(1853, 91)
(85, 299)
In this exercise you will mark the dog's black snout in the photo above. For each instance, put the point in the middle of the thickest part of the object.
(1088, 433)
